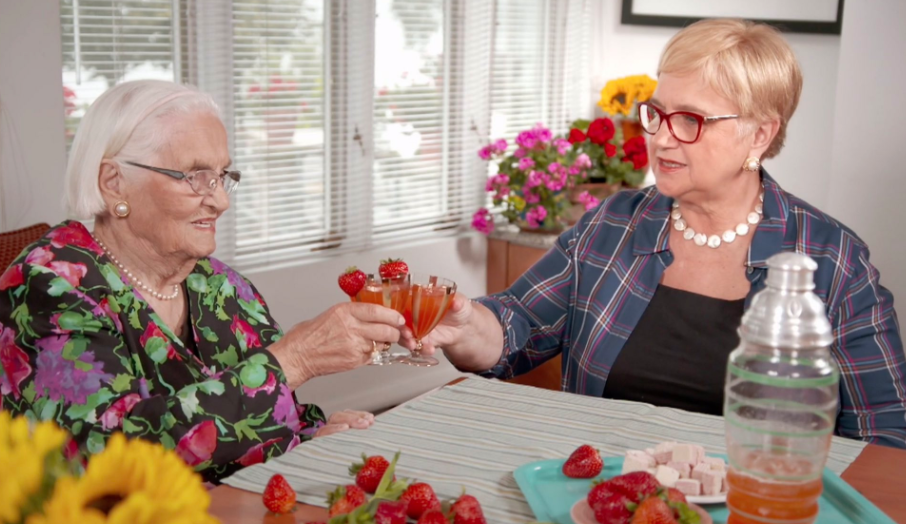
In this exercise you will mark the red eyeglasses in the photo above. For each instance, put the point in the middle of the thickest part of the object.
(685, 126)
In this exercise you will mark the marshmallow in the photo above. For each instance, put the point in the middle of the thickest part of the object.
(711, 482)
(689, 487)
(668, 476)
(642, 457)
(663, 453)
(634, 463)
(715, 463)
(698, 471)
(682, 468)
(686, 453)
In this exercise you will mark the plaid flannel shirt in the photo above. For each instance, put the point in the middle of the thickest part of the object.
(586, 295)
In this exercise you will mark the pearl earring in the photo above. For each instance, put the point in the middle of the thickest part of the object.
(121, 209)
(751, 164)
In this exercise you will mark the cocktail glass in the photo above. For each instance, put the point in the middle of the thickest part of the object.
(429, 299)
(387, 292)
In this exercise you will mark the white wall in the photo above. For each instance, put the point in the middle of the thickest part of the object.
(867, 179)
(803, 166)
(32, 146)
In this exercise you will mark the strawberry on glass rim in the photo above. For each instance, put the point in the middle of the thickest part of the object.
(352, 281)
(393, 268)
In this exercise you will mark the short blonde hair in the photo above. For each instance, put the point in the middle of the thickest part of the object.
(124, 119)
(748, 63)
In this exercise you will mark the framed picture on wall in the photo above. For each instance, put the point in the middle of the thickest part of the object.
(795, 16)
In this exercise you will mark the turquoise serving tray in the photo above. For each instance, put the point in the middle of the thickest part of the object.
(551, 495)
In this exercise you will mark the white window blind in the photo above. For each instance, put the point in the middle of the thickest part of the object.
(283, 204)
(110, 41)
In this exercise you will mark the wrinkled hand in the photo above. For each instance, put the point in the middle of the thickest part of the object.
(447, 333)
(340, 339)
(345, 420)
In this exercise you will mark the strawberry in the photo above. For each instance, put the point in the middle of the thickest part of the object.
(279, 496)
(390, 512)
(434, 516)
(392, 268)
(584, 463)
(598, 493)
(352, 281)
(673, 495)
(653, 510)
(636, 485)
(467, 510)
(368, 474)
(613, 509)
(421, 498)
(345, 499)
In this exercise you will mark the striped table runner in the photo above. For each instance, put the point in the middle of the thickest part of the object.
(475, 433)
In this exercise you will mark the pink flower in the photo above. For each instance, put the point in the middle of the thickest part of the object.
(519, 153)
(527, 139)
(72, 272)
(582, 161)
(542, 134)
(286, 411)
(14, 363)
(532, 198)
(555, 183)
(500, 146)
(245, 333)
(255, 454)
(553, 167)
(103, 309)
(562, 146)
(267, 387)
(198, 445)
(485, 153)
(534, 180)
(526, 163)
(535, 217)
(483, 222)
(39, 256)
(587, 200)
(113, 416)
(502, 193)
(12, 277)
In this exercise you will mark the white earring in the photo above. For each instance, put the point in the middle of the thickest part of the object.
(751, 164)
(121, 209)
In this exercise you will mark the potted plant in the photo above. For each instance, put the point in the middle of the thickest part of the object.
(532, 183)
(620, 99)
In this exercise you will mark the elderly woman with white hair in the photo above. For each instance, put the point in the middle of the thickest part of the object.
(135, 328)
(644, 295)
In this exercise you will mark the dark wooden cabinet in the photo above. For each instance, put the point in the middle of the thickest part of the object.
(507, 261)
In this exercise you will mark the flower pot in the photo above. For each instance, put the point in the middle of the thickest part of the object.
(552, 230)
(631, 128)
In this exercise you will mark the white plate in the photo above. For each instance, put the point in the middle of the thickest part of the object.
(582, 513)
(708, 499)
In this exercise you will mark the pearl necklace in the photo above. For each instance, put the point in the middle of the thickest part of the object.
(714, 241)
(134, 279)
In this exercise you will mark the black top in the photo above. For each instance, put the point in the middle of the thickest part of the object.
(677, 354)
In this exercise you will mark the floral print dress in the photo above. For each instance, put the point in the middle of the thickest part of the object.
(79, 345)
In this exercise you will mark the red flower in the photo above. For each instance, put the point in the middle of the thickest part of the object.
(610, 150)
(113, 416)
(14, 363)
(12, 277)
(601, 130)
(576, 136)
(255, 454)
(40, 256)
(636, 152)
(198, 445)
(73, 234)
(640, 161)
(240, 326)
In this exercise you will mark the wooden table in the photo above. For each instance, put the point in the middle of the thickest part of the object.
(879, 473)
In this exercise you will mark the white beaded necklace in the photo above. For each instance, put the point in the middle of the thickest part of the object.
(134, 279)
(714, 241)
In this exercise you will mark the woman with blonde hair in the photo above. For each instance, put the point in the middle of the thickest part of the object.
(644, 295)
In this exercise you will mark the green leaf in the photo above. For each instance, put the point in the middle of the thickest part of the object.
(253, 375)
(188, 401)
(206, 265)
(167, 441)
(112, 277)
(209, 334)
(168, 421)
(87, 410)
(29, 392)
(76, 427)
(254, 309)
(133, 318)
(243, 430)
(95, 442)
(211, 387)
(71, 321)
(228, 357)
(23, 320)
(122, 382)
(258, 358)
(58, 286)
(131, 427)
(49, 411)
(198, 283)
(74, 348)
(156, 348)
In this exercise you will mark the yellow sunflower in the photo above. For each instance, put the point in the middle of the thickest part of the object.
(619, 96)
(24, 458)
(134, 482)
